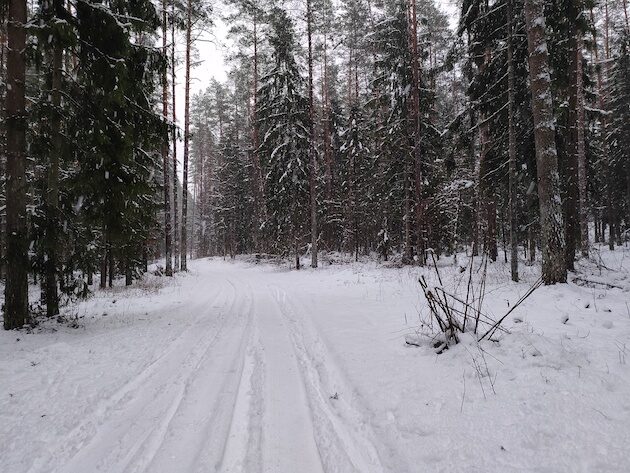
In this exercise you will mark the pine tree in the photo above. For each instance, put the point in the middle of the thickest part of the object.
(196, 10)
(165, 157)
(184, 230)
(553, 265)
(247, 26)
(312, 151)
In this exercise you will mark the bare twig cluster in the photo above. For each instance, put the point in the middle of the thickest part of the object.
(455, 314)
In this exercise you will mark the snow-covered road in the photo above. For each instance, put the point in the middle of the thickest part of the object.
(248, 369)
(220, 383)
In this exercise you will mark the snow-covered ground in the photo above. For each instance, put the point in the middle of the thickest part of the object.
(249, 368)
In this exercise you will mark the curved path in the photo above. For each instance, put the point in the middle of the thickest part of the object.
(235, 390)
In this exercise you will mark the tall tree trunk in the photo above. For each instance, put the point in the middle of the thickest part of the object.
(3, 78)
(513, 209)
(567, 159)
(184, 237)
(327, 132)
(601, 104)
(261, 212)
(311, 148)
(52, 184)
(553, 264)
(581, 153)
(16, 289)
(487, 194)
(193, 216)
(176, 238)
(416, 133)
(199, 202)
(165, 157)
(484, 204)
(610, 210)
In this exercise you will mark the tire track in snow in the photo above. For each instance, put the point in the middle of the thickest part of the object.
(195, 438)
(95, 340)
(343, 429)
(93, 441)
(243, 450)
(144, 456)
(271, 427)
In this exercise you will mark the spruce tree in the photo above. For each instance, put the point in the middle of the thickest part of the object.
(283, 115)
(619, 177)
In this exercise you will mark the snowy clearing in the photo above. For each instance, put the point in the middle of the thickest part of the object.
(243, 368)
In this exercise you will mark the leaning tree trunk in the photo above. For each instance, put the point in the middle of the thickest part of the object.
(551, 225)
(16, 289)
(184, 234)
(165, 158)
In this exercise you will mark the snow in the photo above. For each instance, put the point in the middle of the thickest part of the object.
(237, 367)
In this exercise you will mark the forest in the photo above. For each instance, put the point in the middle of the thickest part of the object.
(315, 236)
(362, 127)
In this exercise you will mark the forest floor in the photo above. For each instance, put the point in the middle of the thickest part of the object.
(237, 367)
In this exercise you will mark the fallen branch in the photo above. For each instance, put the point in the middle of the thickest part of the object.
(577, 280)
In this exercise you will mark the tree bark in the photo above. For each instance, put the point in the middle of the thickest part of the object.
(103, 283)
(176, 238)
(407, 249)
(610, 211)
(165, 157)
(416, 133)
(553, 264)
(128, 272)
(184, 235)
(581, 153)
(261, 208)
(311, 148)
(512, 153)
(16, 289)
(52, 184)
(327, 132)
(110, 264)
(567, 160)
